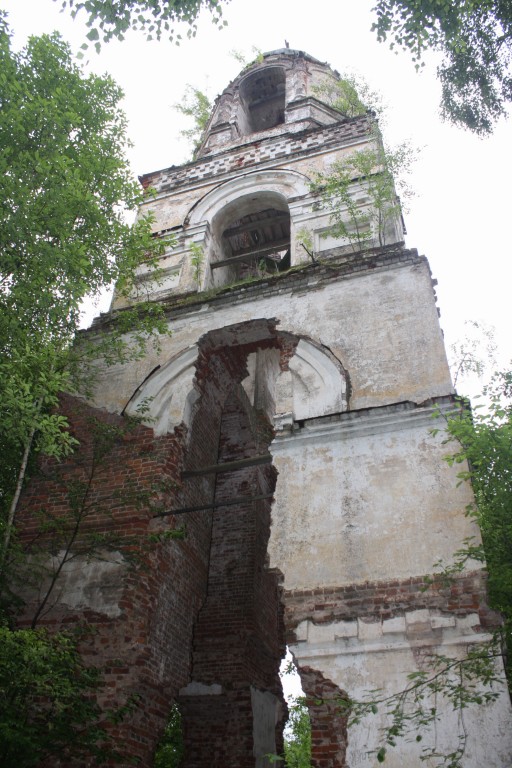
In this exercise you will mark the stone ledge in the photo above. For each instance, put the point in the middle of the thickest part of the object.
(419, 629)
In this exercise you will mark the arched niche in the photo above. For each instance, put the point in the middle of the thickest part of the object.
(263, 99)
(166, 397)
(250, 229)
(311, 385)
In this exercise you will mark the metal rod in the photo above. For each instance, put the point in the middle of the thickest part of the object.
(216, 504)
(227, 466)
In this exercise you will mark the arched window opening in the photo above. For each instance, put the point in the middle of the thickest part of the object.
(259, 243)
(262, 95)
(254, 239)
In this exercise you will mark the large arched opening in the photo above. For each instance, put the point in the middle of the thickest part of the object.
(253, 234)
(245, 227)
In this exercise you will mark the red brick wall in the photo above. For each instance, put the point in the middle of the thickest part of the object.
(199, 608)
(328, 717)
(238, 638)
(145, 650)
(380, 600)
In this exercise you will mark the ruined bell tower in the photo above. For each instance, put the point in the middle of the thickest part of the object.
(290, 413)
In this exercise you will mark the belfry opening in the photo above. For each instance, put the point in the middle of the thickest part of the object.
(254, 234)
(262, 95)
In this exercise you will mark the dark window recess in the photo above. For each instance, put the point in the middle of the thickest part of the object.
(258, 244)
(263, 99)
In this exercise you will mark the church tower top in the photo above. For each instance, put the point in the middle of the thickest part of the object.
(282, 91)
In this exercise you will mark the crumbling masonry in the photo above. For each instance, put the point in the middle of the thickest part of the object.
(287, 437)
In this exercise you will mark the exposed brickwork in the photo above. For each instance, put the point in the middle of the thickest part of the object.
(238, 638)
(204, 608)
(328, 717)
(384, 600)
(218, 729)
(258, 153)
(144, 648)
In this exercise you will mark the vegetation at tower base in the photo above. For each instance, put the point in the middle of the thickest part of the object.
(170, 750)
(65, 189)
(297, 742)
(475, 40)
(485, 437)
(46, 707)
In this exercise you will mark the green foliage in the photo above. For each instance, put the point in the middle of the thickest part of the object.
(197, 105)
(109, 19)
(305, 238)
(47, 703)
(475, 40)
(376, 170)
(485, 437)
(350, 95)
(472, 355)
(197, 261)
(65, 187)
(65, 190)
(297, 741)
(245, 61)
(170, 750)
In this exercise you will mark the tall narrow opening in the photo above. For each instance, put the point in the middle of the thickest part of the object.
(253, 234)
(262, 95)
(233, 708)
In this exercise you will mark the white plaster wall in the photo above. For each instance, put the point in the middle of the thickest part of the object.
(362, 657)
(265, 709)
(172, 209)
(382, 327)
(94, 583)
(370, 499)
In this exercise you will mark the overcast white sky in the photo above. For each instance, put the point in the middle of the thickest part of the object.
(460, 215)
